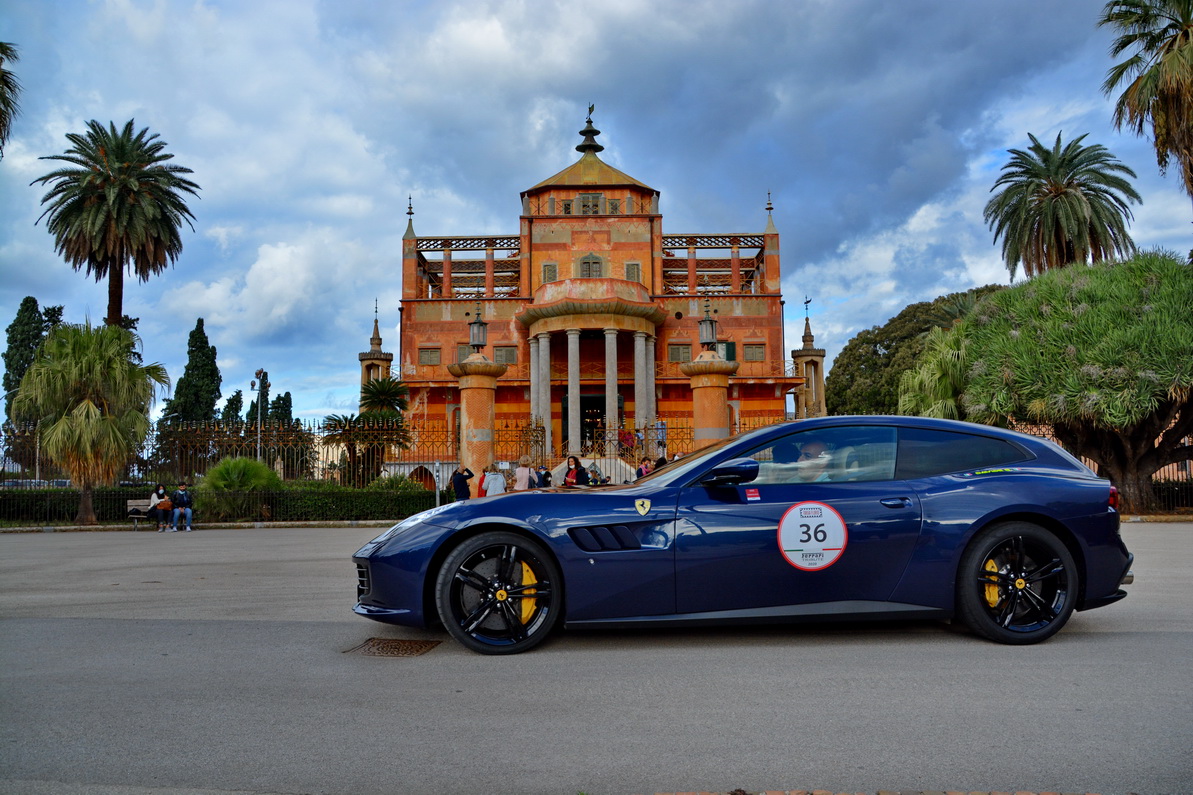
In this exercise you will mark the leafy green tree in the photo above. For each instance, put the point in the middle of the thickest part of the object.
(865, 376)
(281, 410)
(1104, 355)
(1157, 79)
(198, 389)
(10, 92)
(25, 334)
(120, 206)
(1061, 206)
(91, 401)
(232, 408)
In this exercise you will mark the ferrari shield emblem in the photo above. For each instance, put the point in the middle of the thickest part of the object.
(642, 505)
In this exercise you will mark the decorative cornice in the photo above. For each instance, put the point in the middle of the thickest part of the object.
(591, 297)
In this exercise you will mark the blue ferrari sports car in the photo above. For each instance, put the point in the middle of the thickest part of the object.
(825, 519)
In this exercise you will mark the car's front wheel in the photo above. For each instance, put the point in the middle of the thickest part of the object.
(498, 593)
(1017, 584)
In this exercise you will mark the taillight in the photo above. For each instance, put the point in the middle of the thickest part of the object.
(1113, 500)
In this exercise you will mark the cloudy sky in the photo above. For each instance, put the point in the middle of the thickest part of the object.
(877, 127)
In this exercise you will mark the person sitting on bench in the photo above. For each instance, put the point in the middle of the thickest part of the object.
(182, 507)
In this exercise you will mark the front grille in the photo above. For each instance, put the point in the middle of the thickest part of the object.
(362, 580)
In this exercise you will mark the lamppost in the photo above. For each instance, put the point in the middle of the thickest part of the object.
(263, 377)
(708, 329)
(478, 331)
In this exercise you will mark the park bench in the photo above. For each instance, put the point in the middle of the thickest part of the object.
(138, 510)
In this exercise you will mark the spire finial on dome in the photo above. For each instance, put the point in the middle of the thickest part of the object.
(409, 219)
(590, 133)
(375, 340)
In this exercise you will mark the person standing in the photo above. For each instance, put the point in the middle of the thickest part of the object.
(523, 474)
(544, 477)
(494, 481)
(183, 501)
(644, 468)
(460, 480)
(576, 474)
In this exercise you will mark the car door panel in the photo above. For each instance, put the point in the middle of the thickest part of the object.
(728, 554)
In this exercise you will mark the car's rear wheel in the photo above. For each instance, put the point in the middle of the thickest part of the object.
(1017, 584)
(498, 593)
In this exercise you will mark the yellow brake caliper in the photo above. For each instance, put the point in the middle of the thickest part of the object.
(528, 601)
(992, 589)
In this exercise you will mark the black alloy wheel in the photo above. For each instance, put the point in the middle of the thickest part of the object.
(498, 593)
(1017, 584)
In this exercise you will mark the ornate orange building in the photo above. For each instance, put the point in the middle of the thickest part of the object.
(593, 308)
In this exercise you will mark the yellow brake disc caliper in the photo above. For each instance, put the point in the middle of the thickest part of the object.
(528, 601)
(992, 589)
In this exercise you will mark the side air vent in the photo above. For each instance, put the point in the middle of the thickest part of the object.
(604, 539)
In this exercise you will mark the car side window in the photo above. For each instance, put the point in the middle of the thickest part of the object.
(924, 452)
(828, 455)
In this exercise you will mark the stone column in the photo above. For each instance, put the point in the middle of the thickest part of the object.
(545, 391)
(639, 379)
(532, 373)
(710, 406)
(573, 391)
(652, 396)
(478, 388)
(610, 391)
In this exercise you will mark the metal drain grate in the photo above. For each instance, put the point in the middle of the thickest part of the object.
(389, 647)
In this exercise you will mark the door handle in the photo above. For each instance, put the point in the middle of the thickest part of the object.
(896, 502)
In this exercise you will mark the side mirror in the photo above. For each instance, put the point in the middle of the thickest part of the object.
(731, 472)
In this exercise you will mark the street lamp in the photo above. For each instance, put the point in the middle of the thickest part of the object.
(708, 329)
(263, 377)
(478, 331)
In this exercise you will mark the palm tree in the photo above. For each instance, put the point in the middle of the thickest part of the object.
(10, 91)
(90, 396)
(384, 394)
(119, 207)
(1061, 206)
(1158, 76)
(933, 388)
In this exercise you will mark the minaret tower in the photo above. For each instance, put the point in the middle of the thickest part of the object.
(375, 363)
(809, 362)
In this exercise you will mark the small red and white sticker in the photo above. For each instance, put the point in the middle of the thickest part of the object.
(752, 495)
(812, 536)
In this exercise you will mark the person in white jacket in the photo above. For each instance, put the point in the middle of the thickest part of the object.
(494, 482)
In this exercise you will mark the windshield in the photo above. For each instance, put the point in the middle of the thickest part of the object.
(684, 468)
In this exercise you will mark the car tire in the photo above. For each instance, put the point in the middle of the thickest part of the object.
(1017, 584)
(499, 593)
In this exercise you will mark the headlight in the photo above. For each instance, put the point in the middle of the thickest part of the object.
(411, 521)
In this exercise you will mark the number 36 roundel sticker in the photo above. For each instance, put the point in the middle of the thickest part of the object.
(812, 536)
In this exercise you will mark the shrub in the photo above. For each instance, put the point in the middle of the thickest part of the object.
(398, 483)
(233, 489)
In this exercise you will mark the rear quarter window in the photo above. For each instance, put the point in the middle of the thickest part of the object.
(924, 452)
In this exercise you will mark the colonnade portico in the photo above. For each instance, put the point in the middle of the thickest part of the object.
(540, 381)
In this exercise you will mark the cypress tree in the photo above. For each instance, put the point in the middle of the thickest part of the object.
(281, 410)
(198, 389)
(233, 407)
(25, 335)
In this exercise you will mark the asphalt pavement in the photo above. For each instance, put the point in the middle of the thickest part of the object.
(228, 660)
